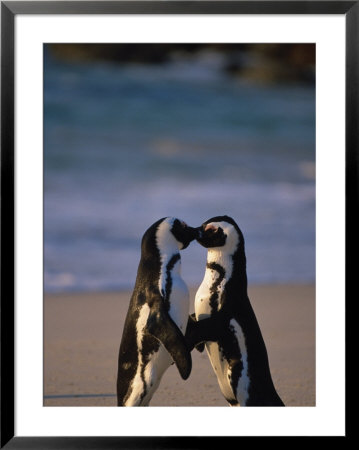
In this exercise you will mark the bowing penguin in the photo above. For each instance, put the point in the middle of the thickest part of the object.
(153, 335)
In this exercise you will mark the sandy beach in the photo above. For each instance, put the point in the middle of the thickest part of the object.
(82, 333)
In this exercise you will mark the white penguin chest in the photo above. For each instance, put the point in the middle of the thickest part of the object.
(209, 294)
(175, 291)
(179, 302)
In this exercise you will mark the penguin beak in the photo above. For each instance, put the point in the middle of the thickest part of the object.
(192, 232)
(202, 234)
(199, 233)
(189, 234)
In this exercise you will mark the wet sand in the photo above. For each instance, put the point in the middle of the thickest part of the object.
(82, 333)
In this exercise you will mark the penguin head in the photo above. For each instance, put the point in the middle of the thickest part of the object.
(174, 234)
(220, 232)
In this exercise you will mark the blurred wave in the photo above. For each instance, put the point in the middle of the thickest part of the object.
(126, 144)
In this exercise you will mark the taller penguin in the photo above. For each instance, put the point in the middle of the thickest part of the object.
(225, 321)
(153, 335)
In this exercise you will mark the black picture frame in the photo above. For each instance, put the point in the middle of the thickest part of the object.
(9, 10)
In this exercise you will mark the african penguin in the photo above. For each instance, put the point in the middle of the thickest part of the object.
(153, 335)
(225, 321)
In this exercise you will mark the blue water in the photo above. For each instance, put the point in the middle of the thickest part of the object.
(125, 145)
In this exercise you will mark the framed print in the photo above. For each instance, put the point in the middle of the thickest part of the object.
(132, 131)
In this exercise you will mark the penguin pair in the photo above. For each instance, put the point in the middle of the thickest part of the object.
(223, 322)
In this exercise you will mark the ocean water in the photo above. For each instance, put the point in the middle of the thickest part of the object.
(125, 145)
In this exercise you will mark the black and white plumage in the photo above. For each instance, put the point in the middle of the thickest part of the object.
(153, 335)
(224, 320)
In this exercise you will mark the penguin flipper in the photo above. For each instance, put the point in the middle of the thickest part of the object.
(201, 331)
(161, 326)
(200, 347)
(190, 335)
(190, 338)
